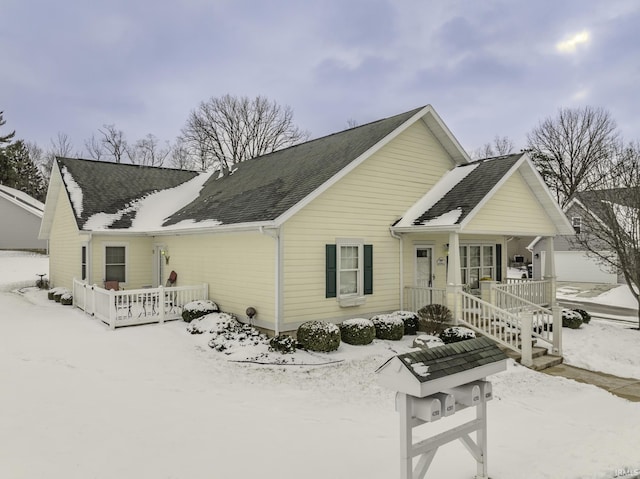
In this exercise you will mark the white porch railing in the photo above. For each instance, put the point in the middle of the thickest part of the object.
(417, 297)
(533, 291)
(135, 306)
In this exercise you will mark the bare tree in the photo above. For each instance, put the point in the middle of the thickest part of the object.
(225, 131)
(95, 148)
(612, 222)
(113, 142)
(568, 148)
(499, 147)
(148, 151)
(179, 157)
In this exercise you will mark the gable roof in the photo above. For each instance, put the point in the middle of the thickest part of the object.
(23, 200)
(265, 190)
(458, 193)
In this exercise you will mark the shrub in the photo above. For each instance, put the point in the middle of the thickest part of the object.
(433, 318)
(571, 319)
(59, 291)
(586, 317)
(283, 344)
(388, 326)
(197, 309)
(456, 334)
(427, 341)
(411, 321)
(66, 299)
(357, 331)
(319, 336)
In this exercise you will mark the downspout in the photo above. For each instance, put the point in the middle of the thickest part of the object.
(399, 238)
(275, 234)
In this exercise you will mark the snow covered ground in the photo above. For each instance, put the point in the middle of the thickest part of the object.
(81, 401)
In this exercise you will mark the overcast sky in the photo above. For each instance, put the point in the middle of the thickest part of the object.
(488, 67)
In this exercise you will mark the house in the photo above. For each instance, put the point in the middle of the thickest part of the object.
(21, 216)
(337, 227)
(572, 262)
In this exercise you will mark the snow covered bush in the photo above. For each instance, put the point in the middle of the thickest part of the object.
(283, 344)
(197, 309)
(455, 334)
(357, 331)
(433, 318)
(54, 294)
(319, 336)
(571, 319)
(388, 326)
(411, 321)
(586, 317)
(427, 341)
(66, 299)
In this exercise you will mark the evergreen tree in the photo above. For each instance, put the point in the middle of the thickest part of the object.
(5, 138)
(18, 171)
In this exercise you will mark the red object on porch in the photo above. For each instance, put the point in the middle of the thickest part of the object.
(173, 277)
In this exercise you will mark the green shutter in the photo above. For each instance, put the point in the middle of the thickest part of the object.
(499, 262)
(368, 269)
(330, 271)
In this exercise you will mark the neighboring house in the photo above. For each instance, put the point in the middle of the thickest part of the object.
(21, 217)
(572, 262)
(330, 229)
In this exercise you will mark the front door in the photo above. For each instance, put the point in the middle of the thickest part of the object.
(158, 267)
(424, 267)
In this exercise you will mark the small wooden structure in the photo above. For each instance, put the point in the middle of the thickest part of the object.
(438, 382)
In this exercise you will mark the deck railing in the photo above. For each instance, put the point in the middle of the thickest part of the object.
(536, 292)
(135, 306)
(417, 297)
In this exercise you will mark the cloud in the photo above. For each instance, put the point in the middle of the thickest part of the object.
(571, 44)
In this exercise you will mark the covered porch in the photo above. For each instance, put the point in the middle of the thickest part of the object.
(468, 273)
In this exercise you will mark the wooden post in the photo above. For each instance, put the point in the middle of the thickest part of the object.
(403, 405)
(557, 330)
(161, 301)
(526, 329)
(113, 313)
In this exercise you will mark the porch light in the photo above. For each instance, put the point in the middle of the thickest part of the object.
(165, 253)
(446, 248)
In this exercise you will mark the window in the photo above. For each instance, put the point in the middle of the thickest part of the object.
(477, 262)
(349, 270)
(83, 263)
(576, 222)
(115, 263)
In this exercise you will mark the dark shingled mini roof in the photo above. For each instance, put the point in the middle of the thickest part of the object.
(452, 358)
(467, 194)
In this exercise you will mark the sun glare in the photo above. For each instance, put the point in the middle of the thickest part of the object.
(571, 44)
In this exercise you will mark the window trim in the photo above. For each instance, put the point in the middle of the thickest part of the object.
(365, 272)
(481, 266)
(576, 223)
(341, 243)
(126, 259)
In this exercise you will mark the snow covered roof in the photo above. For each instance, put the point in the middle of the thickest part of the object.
(458, 193)
(23, 200)
(110, 196)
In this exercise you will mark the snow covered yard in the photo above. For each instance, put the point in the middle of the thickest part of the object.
(81, 401)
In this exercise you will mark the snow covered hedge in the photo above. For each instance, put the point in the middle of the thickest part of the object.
(455, 334)
(434, 318)
(388, 326)
(427, 341)
(571, 319)
(55, 294)
(66, 299)
(586, 317)
(411, 321)
(357, 331)
(197, 309)
(319, 336)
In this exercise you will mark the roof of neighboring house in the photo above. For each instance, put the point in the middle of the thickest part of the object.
(259, 190)
(23, 200)
(459, 192)
(435, 363)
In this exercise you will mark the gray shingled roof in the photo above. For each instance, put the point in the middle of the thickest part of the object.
(593, 200)
(467, 194)
(452, 358)
(108, 187)
(258, 190)
(266, 187)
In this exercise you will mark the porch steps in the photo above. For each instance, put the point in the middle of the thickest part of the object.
(541, 357)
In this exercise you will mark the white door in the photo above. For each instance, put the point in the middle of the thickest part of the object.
(158, 267)
(424, 267)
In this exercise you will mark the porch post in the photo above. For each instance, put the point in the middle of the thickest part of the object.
(454, 278)
(550, 276)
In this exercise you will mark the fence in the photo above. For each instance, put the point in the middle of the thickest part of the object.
(417, 297)
(533, 291)
(135, 306)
